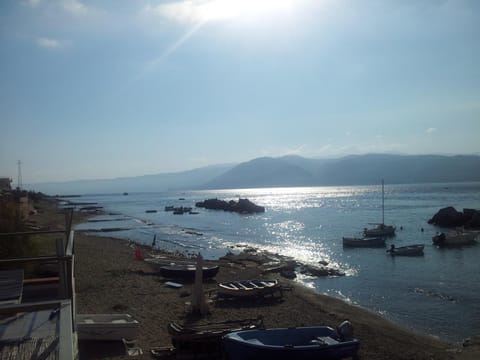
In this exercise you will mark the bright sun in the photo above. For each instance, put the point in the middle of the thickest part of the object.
(228, 9)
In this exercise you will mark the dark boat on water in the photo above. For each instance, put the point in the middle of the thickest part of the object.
(410, 250)
(363, 242)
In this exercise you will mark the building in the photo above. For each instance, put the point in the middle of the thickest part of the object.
(5, 184)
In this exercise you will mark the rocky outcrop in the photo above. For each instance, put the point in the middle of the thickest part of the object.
(243, 206)
(450, 217)
(282, 265)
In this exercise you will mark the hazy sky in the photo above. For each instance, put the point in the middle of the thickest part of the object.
(103, 89)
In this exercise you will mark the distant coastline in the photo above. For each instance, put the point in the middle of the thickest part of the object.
(288, 171)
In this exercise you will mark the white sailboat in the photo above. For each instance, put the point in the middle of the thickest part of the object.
(380, 229)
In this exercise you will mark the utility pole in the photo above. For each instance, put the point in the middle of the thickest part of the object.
(19, 179)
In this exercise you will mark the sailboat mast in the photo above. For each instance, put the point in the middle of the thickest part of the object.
(383, 203)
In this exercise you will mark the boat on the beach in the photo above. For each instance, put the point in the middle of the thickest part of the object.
(305, 343)
(363, 242)
(206, 339)
(181, 269)
(380, 229)
(247, 288)
(106, 326)
(409, 250)
(185, 271)
(455, 238)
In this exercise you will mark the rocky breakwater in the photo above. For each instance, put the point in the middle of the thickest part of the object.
(242, 206)
(449, 217)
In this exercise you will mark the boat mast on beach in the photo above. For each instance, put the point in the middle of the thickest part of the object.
(381, 229)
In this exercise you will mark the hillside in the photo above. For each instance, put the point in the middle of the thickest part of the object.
(289, 171)
(349, 170)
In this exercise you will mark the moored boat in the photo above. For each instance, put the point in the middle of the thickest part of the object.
(247, 288)
(320, 342)
(409, 250)
(380, 229)
(455, 238)
(363, 242)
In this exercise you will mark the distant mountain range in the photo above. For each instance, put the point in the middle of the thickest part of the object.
(289, 171)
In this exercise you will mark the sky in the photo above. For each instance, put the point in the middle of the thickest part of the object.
(115, 88)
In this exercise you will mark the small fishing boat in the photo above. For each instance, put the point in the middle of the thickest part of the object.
(410, 250)
(180, 269)
(247, 288)
(304, 343)
(363, 242)
(187, 271)
(202, 339)
(455, 238)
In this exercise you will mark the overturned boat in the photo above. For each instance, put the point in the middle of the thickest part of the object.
(184, 270)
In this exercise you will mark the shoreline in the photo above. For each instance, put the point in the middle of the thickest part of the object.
(109, 279)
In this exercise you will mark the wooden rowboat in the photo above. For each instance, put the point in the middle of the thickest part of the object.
(246, 288)
(205, 340)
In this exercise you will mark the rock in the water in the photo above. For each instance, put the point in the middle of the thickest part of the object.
(243, 206)
(449, 217)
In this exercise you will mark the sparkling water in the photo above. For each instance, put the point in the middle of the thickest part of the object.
(438, 294)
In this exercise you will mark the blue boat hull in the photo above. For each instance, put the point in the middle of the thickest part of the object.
(292, 343)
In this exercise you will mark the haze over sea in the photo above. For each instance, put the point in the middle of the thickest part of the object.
(437, 294)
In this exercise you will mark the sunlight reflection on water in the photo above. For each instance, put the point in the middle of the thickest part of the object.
(308, 224)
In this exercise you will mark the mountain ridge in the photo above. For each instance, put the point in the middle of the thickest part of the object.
(290, 171)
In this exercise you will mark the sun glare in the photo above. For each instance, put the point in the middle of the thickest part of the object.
(229, 9)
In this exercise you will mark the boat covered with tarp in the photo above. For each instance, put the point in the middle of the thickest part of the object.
(304, 343)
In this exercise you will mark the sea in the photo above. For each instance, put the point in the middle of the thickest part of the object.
(436, 294)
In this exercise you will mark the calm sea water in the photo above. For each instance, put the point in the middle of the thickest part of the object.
(438, 294)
